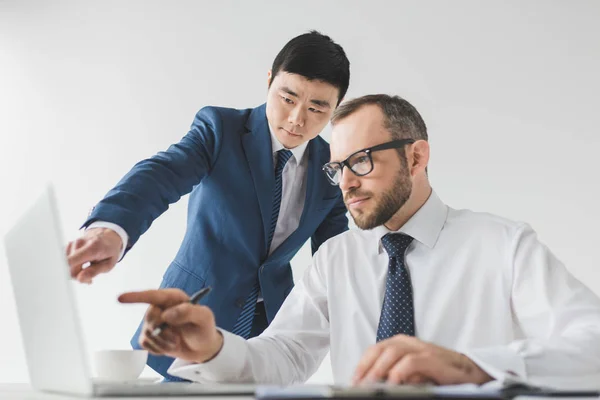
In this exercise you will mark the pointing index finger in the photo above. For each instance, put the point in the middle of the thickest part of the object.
(161, 297)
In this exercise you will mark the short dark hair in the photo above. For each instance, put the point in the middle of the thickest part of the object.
(316, 57)
(400, 117)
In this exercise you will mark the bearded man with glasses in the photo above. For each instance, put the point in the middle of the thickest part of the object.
(421, 293)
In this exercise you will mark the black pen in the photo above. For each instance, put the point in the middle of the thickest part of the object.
(194, 299)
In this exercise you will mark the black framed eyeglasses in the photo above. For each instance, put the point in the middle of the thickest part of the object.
(360, 162)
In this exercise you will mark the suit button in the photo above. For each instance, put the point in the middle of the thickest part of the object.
(240, 302)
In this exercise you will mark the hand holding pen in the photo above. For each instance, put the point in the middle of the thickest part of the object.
(175, 326)
(193, 300)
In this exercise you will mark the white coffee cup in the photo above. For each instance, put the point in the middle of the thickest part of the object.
(119, 365)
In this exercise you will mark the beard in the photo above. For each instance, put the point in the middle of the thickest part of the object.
(386, 204)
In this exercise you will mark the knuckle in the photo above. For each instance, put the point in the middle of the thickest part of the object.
(95, 243)
(405, 367)
(428, 354)
(173, 314)
(427, 359)
(185, 308)
(375, 348)
(376, 368)
(392, 351)
(410, 361)
(203, 310)
(202, 314)
(394, 376)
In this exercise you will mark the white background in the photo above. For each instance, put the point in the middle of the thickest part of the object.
(509, 90)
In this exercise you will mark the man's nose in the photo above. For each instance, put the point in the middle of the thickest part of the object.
(297, 117)
(348, 180)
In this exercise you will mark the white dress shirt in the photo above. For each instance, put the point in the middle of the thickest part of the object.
(483, 285)
(293, 194)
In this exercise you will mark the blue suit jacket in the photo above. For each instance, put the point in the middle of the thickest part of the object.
(226, 162)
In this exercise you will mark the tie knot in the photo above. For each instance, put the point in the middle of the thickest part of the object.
(395, 244)
(283, 156)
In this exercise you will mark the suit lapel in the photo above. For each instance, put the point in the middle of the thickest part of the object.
(257, 148)
(314, 190)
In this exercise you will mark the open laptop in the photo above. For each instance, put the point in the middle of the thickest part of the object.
(54, 346)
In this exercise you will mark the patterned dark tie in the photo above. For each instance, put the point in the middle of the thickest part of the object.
(243, 325)
(397, 313)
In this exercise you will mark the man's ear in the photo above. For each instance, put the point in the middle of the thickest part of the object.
(420, 156)
(269, 77)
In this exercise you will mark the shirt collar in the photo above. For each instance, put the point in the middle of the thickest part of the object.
(297, 152)
(424, 226)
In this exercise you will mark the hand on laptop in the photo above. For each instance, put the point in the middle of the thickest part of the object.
(191, 333)
(98, 246)
(408, 360)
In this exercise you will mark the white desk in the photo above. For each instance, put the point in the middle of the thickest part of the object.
(22, 391)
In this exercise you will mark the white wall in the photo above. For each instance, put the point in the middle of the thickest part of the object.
(509, 90)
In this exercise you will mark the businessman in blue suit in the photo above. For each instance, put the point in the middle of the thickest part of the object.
(258, 194)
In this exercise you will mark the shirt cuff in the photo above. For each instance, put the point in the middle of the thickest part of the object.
(120, 231)
(226, 366)
(501, 363)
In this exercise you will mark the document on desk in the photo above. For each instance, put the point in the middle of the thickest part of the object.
(492, 390)
(335, 391)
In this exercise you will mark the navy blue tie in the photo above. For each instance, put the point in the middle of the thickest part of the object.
(243, 325)
(397, 313)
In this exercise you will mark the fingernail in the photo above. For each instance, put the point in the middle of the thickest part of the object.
(170, 314)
